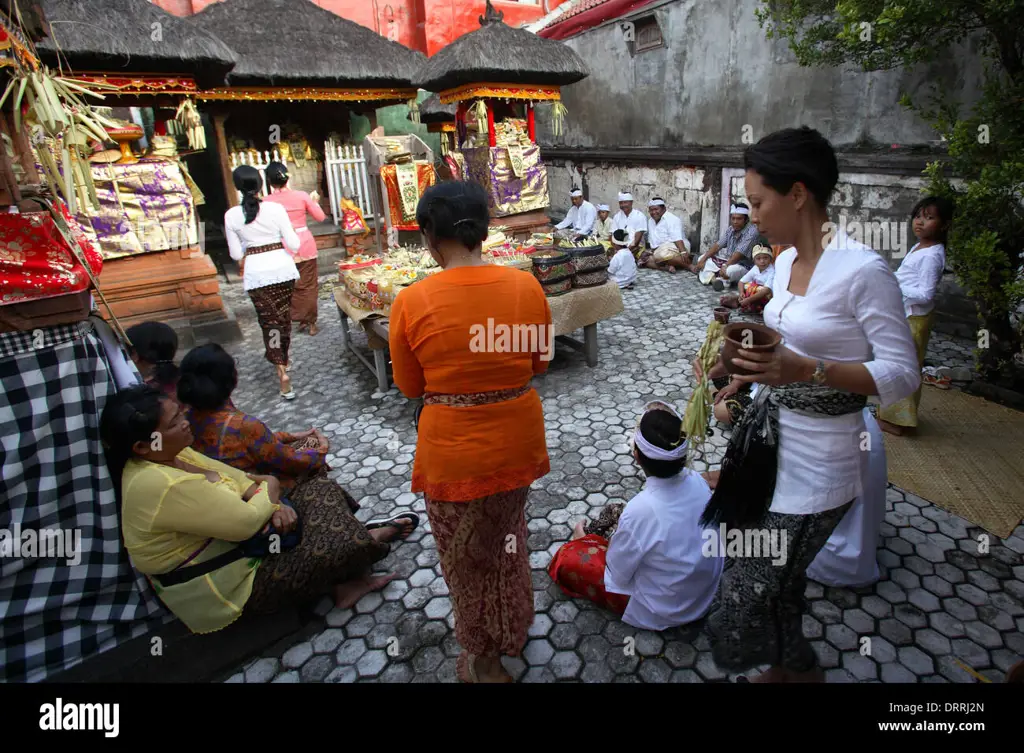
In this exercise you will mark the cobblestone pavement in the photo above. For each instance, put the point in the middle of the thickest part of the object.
(938, 604)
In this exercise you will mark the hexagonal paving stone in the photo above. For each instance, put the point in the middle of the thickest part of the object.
(707, 668)
(338, 617)
(983, 635)
(359, 626)
(897, 673)
(916, 661)
(655, 671)
(342, 674)
(812, 628)
(947, 625)
(895, 631)
(538, 675)
(262, 670)
(932, 641)
(565, 636)
(876, 606)
(565, 665)
(427, 660)
(372, 663)
(826, 612)
(861, 667)
(417, 597)
(828, 655)
(904, 578)
(396, 673)
(891, 592)
(541, 626)
(910, 615)
(839, 676)
(563, 611)
(438, 608)
(971, 594)
(971, 654)
(918, 566)
(350, 651)
(950, 573)
(936, 585)
(857, 619)
(328, 641)
(432, 632)
(591, 622)
(597, 673)
(316, 669)
(960, 609)
(842, 637)
(297, 655)
(648, 643)
(538, 652)
(881, 650)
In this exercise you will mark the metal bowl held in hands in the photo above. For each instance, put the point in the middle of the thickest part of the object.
(746, 336)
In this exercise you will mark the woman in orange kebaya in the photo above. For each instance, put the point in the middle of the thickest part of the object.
(481, 433)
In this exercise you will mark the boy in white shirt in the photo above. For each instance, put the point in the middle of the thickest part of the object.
(622, 267)
(755, 285)
(660, 568)
(603, 226)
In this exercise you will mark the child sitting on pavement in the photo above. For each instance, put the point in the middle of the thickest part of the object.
(622, 267)
(756, 285)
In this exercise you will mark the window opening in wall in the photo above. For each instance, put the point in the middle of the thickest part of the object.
(643, 34)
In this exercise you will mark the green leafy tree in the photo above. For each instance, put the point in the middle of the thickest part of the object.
(985, 139)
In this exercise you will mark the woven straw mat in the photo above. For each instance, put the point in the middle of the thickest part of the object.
(965, 457)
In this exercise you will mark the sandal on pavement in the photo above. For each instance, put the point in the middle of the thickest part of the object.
(394, 523)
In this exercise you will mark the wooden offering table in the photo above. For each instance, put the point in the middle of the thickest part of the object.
(581, 308)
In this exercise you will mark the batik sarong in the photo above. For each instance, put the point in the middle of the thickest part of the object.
(304, 297)
(485, 562)
(273, 310)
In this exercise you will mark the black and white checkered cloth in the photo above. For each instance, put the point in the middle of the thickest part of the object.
(54, 383)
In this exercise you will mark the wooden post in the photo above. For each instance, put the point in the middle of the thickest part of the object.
(224, 155)
(531, 122)
(492, 137)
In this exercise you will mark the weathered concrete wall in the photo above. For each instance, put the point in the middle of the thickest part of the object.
(717, 73)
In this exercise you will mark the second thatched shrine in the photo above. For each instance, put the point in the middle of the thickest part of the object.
(496, 76)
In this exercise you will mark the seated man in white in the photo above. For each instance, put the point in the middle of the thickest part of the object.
(667, 245)
(579, 221)
(622, 267)
(654, 570)
(633, 222)
(730, 258)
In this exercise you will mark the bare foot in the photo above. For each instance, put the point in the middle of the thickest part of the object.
(890, 428)
(671, 270)
(711, 477)
(347, 594)
(401, 528)
(313, 329)
(578, 532)
(488, 669)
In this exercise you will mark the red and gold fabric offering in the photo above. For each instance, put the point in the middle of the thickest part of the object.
(36, 262)
(405, 185)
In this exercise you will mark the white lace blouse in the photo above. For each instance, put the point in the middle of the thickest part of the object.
(852, 311)
(270, 226)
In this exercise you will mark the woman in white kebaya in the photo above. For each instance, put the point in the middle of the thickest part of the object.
(794, 462)
(919, 275)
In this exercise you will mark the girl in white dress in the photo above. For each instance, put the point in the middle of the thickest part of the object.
(919, 276)
(793, 466)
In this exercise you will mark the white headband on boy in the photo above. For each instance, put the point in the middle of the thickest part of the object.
(762, 251)
(657, 453)
(738, 210)
(603, 208)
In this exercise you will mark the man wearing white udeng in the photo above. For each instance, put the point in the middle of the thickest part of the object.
(730, 258)
(668, 247)
(633, 222)
(579, 222)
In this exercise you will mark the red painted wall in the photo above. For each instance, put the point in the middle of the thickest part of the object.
(425, 25)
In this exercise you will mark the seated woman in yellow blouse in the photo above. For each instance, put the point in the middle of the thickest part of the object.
(183, 516)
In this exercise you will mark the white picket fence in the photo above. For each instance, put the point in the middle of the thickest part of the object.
(346, 176)
(258, 160)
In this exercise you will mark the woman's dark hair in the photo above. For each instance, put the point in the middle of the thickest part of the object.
(455, 210)
(795, 155)
(943, 207)
(277, 175)
(156, 343)
(247, 180)
(661, 429)
(208, 377)
(130, 416)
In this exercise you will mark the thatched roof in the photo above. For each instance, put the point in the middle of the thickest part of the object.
(432, 111)
(497, 53)
(31, 16)
(297, 43)
(117, 36)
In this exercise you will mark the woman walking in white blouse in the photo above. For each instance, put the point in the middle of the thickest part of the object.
(919, 276)
(793, 466)
(257, 234)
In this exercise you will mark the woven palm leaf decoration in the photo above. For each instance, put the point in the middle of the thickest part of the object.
(558, 115)
(698, 409)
